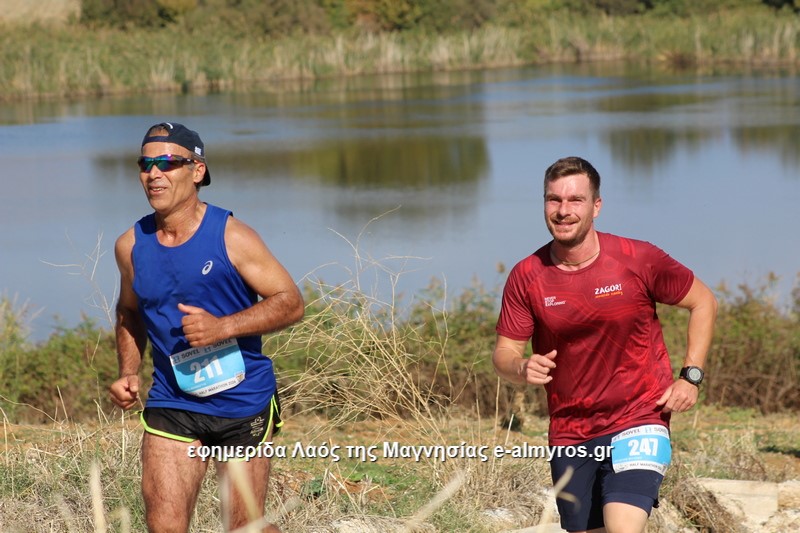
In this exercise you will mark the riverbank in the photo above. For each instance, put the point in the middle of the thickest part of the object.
(71, 60)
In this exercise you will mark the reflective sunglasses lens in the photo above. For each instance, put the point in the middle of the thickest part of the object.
(163, 164)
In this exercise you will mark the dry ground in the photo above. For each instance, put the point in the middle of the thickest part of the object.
(311, 493)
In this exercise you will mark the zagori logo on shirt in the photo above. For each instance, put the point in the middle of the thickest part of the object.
(207, 267)
(608, 290)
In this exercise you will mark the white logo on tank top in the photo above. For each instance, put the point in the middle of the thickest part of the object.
(207, 267)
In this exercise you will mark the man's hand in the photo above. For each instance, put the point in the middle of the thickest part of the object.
(536, 369)
(200, 327)
(125, 391)
(679, 397)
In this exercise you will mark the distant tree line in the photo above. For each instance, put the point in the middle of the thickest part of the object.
(277, 18)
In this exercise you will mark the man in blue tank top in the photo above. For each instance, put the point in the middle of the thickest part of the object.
(202, 288)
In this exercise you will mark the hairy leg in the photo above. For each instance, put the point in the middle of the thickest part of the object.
(170, 483)
(243, 492)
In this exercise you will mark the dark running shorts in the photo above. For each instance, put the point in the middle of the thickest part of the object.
(187, 426)
(594, 483)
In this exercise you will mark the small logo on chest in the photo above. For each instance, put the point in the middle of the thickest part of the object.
(207, 267)
(550, 301)
(608, 290)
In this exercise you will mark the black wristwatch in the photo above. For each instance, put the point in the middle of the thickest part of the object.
(692, 374)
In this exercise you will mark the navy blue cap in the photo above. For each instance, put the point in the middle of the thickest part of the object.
(182, 136)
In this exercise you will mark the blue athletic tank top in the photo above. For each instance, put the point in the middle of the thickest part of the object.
(198, 273)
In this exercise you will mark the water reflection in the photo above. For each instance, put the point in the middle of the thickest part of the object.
(415, 162)
(462, 154)
(641, 150)
(781, 140)
(384, 163)
(436, 180)
(651, 101)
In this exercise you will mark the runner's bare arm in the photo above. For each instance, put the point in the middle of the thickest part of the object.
(129, 329)
(702, 306)
(510, 363)
(281, 304)
(508, 360)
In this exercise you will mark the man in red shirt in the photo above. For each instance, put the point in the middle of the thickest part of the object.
(587, 303)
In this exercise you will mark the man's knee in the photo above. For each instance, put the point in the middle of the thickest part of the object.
(624, 518)
(160, 520)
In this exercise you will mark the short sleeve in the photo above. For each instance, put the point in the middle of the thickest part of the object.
(667, 279)
(516, 319)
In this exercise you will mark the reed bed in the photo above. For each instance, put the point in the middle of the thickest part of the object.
(70, 60)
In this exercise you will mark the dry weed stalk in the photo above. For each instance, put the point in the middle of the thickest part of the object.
(447, 492)
(100, 525)
(363, 358)
(87, 268)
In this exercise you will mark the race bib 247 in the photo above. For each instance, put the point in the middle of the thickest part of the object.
(642, 448)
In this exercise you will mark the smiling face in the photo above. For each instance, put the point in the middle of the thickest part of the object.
(169, 189)
(570, 208)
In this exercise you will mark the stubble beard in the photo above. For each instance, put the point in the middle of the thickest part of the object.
(568, 242)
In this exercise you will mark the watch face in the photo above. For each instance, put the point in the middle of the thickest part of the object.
(694, 374)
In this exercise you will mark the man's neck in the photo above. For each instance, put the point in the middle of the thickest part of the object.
(576, 256)
(177, 226)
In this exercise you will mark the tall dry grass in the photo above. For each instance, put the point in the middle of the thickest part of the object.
(71, 60)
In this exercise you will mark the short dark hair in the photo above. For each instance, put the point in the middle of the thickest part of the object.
(569, 166)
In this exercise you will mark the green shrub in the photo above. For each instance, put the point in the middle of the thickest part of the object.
(13, 349)
(278, 18)
(403, 15)
(697, 7)
(609, 7)
(431, 354)
(755, 361)
(126, 13)
(783, 4)
(64, 377)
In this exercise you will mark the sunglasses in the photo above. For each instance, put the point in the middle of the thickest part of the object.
(164, 163)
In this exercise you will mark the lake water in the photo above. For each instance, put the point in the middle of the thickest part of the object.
(704, 166)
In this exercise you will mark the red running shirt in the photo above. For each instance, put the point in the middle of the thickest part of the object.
(612, 363)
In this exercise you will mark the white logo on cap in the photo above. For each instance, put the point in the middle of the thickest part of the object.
(198, 150)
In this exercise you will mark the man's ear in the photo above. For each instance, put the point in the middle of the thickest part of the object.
(199, 172)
